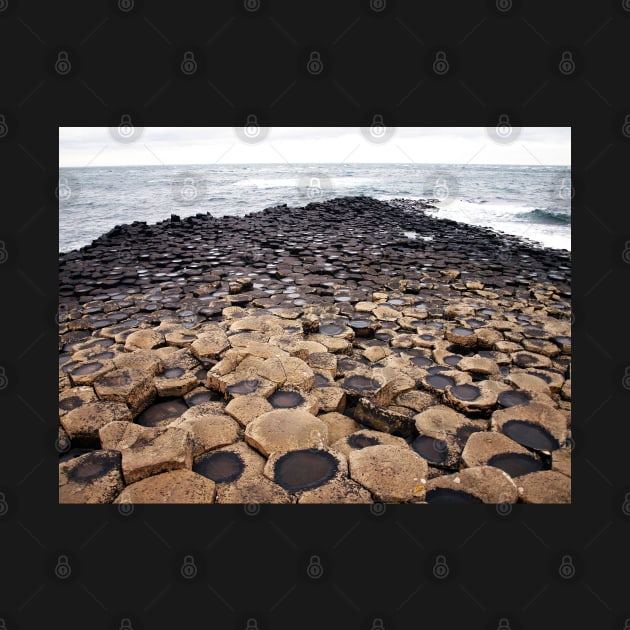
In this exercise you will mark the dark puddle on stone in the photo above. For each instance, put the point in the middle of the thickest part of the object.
(465, 392)
(433, 450)
(361, 383)
(64, 358)
(330, 329)
(304, 469)
(221, 467)
(244, 387)
(115, 380)
(175, 372)
(103, 355)
(514, 397)
(462, 332)
(361, 441)
(439, 381)
(421, 361)
(427, 337)
(452, 359)
(284, 399)
(446, 496)
(515, 464)
(70, 403)
(530, 435)
(437, 369)
(94, 466)
(199, 398)
(87, 368)
(162, 413)
(74, 453)
(322, 381)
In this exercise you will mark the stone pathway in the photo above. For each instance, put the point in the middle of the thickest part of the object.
(314, 355)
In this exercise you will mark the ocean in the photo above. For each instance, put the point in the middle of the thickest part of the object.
(532, 202)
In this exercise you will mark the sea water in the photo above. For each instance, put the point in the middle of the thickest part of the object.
(532, 202)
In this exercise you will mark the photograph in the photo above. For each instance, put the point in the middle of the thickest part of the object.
(314, 315)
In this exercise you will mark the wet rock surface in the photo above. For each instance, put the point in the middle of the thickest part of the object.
(219, 357)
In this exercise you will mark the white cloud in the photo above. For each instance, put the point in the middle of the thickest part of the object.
(96, 146)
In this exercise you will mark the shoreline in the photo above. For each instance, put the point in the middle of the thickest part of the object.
(426, 349)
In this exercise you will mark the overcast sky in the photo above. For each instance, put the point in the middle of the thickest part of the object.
(103, 146)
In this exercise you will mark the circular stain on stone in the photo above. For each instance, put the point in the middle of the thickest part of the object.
(243, 387)
(514, 397)
(359, 323)
(304, 469)
(322, 381)
(361, 383)
(446, 496)
(530, 435)
(426, 337)
(162, 413)
(72, 402)
(330, 329)
(198, 398)
(94, 466)
(462, 332)
(432, 449)
(284, 399)
(452, 359)
(104, 355)
(515, 464)
(87, 368)
(439, 381)
(221, 467)
(115, 380)
(359, 441)
(175, 372)
(465, 392)
(421, 361)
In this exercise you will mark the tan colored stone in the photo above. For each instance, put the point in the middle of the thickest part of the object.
(87, 373)
(74, 397)
(207, 429)
(478, 364)
(336, 345)
(286, 430)
(178, 386)
(288, 371)
(244, 409)
(386, 313)
(483, 404)
(94, 477)
(508, 347)
(487, 483)
(156, 451)
(548, 418)
(528, 382)
(565, 392)
(145, 360)
(416, 400)
(129, 385)
(338, 491)
(364, 307)
(376, 353)
(339, 426)
(172, 357)
(82, 424)
(384, 418)
(363, 438)
(481, 447)
(145, 339)
(119, 434)
(177, 486)
(210, 344)
(323, 362)
(329, 399)
(561, 461)
(229, 384)
(390, 473)
(544, 486)
(253, 490)
(541, 346)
